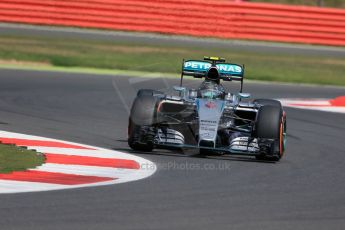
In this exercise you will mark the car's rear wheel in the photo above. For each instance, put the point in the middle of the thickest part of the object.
(148, 92)
(271, 102)
(268, 102)
(270, 125)
(140, 130)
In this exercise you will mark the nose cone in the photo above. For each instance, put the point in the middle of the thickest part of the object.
(209, 113)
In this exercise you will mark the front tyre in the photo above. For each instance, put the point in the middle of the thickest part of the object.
(271, 124)
(136, 141)
(140, 126)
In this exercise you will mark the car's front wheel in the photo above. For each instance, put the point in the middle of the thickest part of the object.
(271, 124)
(138, 137)
(140, 131)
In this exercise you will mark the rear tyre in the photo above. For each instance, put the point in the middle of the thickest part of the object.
(140, 130)
(268, 102)
(269, 125)
(148, 92)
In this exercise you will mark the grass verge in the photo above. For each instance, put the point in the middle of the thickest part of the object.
(141, 57)
(13, 158)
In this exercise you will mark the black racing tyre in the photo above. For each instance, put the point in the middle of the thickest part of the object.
(283, 128)
(148, 92)
(269, 102)
(268, 122)
(143, 110)
(142, 117)
(269, 125)
(134, 135)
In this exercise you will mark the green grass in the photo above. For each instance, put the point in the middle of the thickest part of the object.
(13, 158)
(325, 3)
(167, 59)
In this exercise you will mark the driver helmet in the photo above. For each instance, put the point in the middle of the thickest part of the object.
(211, 90)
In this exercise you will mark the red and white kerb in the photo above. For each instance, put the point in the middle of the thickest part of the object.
(71, 165)
(336, 105)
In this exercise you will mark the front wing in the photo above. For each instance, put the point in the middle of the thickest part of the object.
(238, 146)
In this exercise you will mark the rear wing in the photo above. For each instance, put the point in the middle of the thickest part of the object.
(227, 71)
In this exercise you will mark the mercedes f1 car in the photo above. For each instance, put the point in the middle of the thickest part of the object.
(208, 119)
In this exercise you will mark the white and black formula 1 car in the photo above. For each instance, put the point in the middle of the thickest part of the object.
(208, 118)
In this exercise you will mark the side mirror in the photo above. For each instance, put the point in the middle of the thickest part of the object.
(244, 95)
(181, 90)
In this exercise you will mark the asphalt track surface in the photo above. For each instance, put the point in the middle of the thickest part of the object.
(305, 190)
